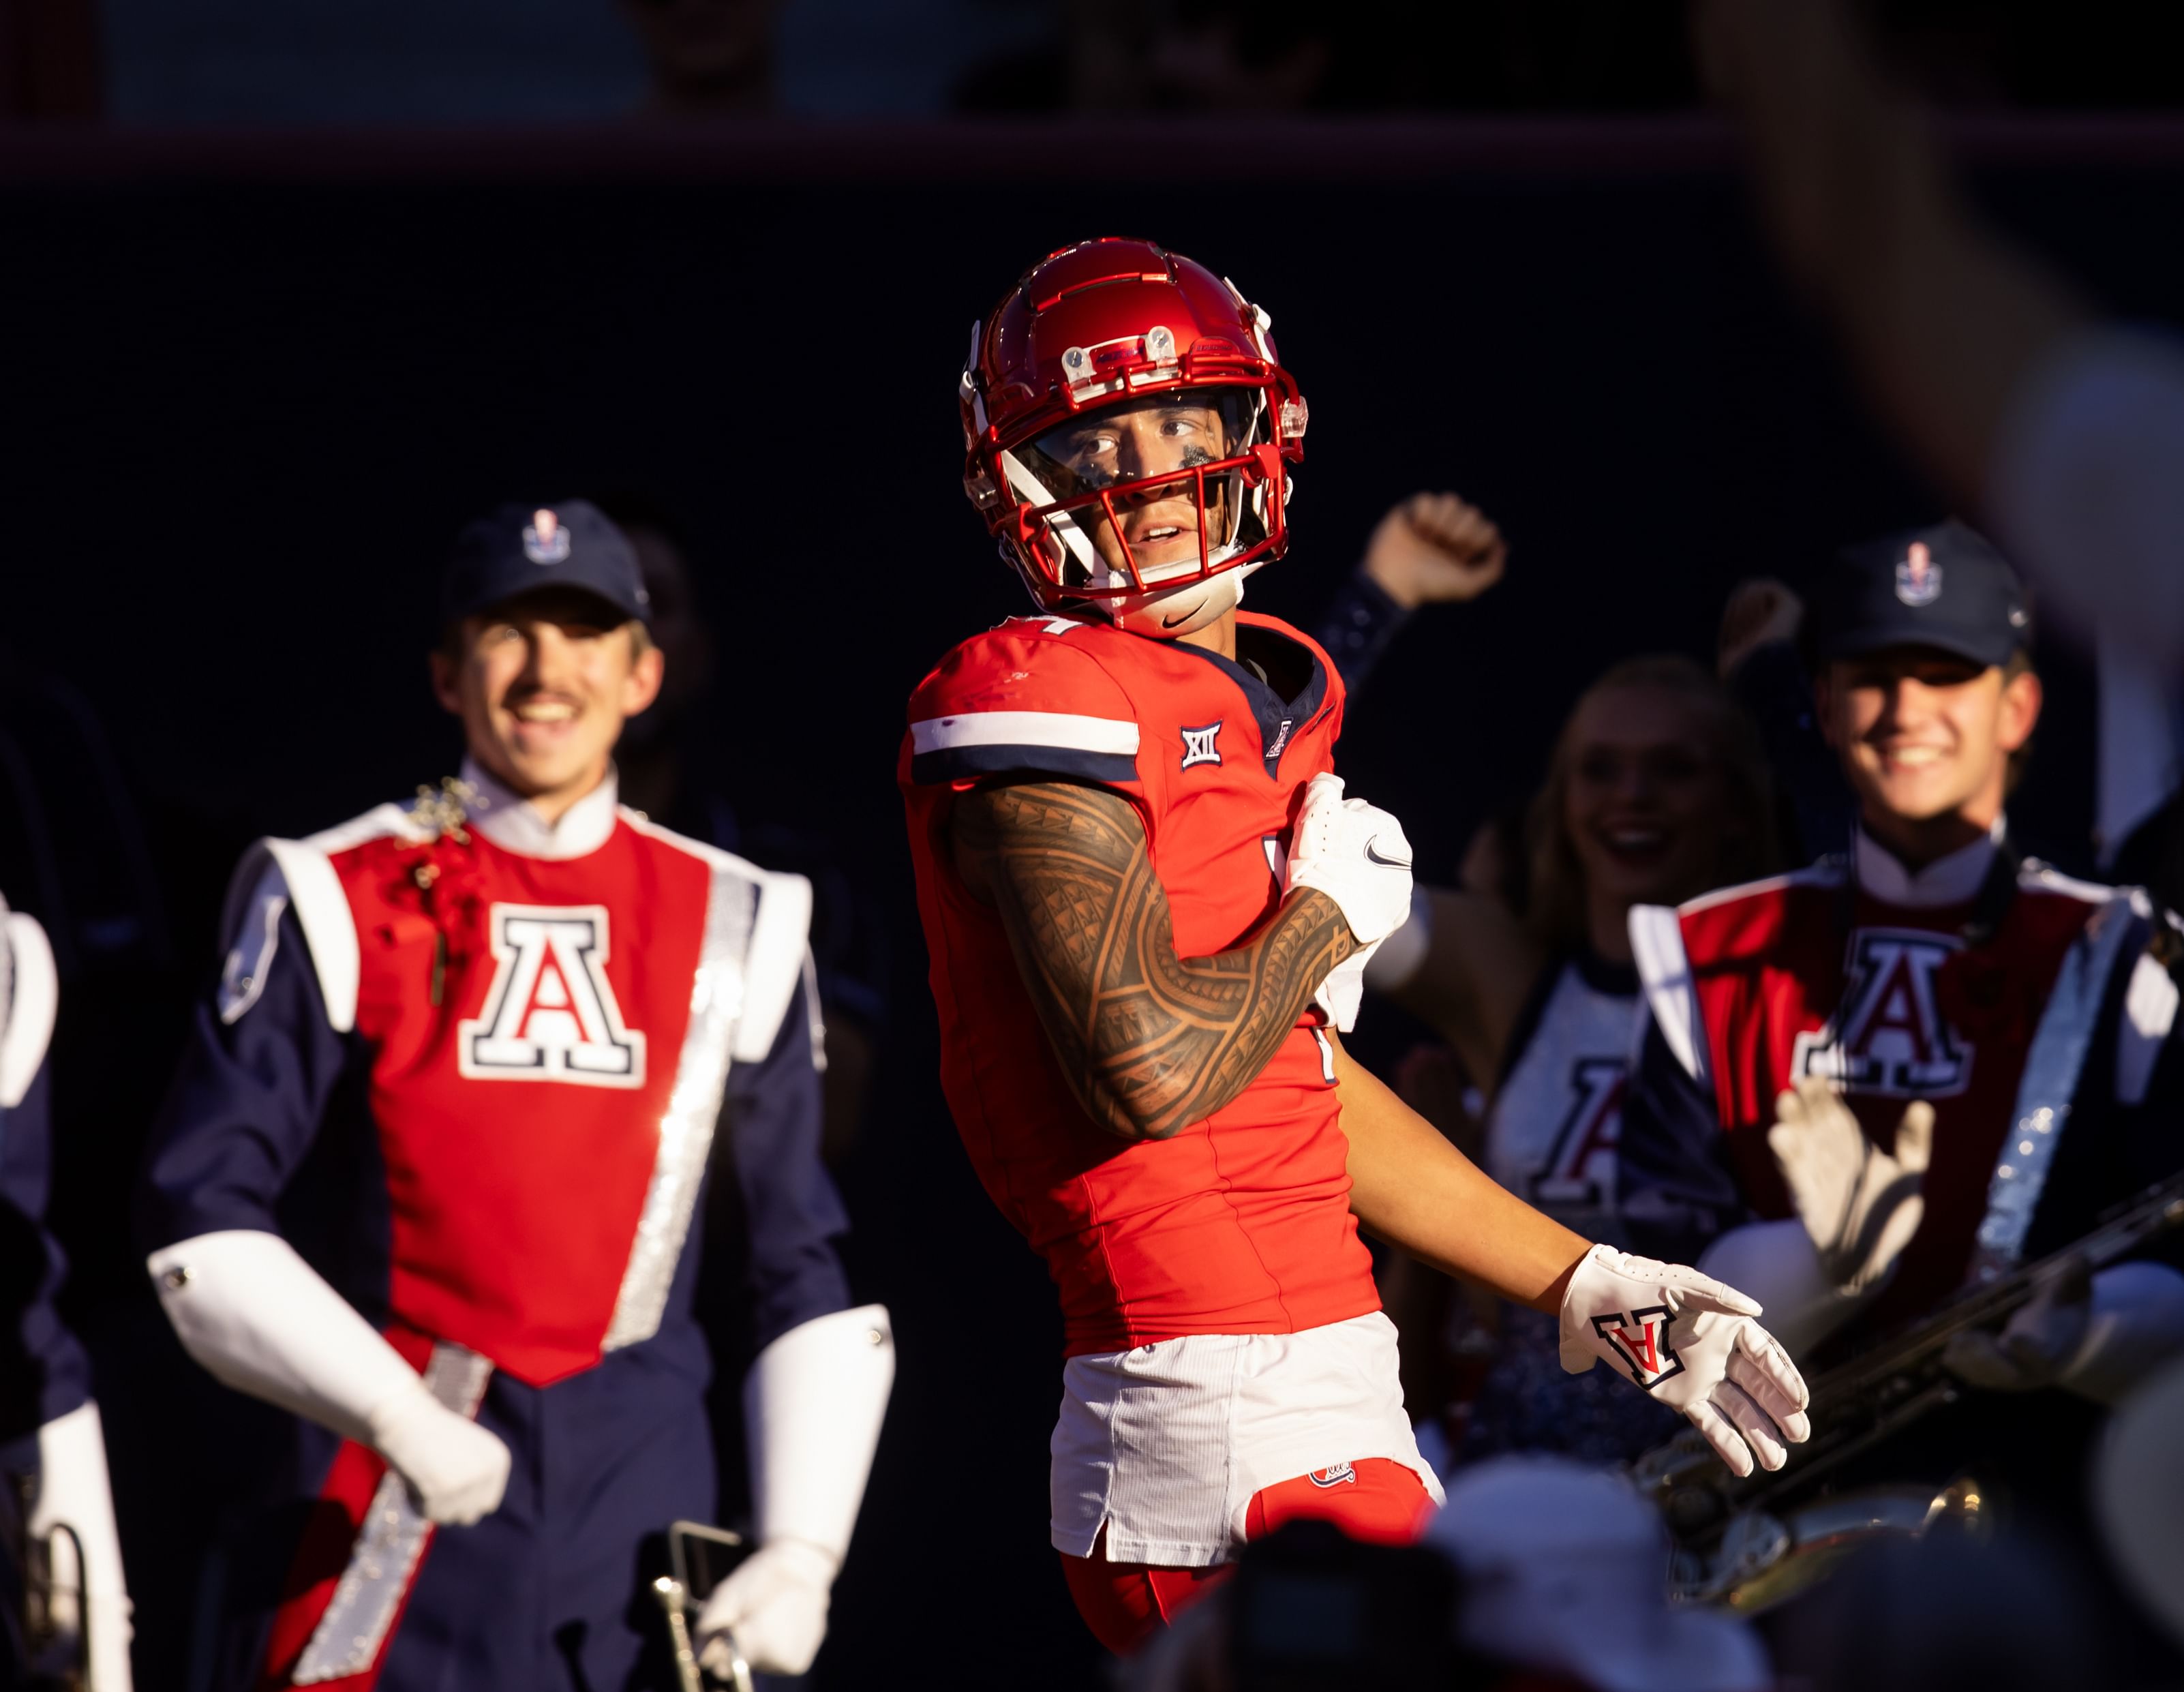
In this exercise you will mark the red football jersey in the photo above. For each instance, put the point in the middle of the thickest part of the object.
(1237, 1224)
(1803, 976)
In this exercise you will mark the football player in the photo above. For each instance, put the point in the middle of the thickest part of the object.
(1147, 904)
(59, 1546)
(569, 1063)
(1865, 1085)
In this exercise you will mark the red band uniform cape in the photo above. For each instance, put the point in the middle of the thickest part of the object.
(53, 1484)
(557, 1078)
(2035, 1013)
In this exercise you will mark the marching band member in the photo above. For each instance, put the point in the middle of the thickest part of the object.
(53, 1451)
(1865, 1085)
(569, 1064)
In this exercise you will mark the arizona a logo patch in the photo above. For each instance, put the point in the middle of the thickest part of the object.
(551, 1014)
(1641, 1340)
(1198, 747)
(1890, 1037)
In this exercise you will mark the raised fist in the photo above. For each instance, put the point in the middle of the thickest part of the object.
(1755, 614)
(1433, 547)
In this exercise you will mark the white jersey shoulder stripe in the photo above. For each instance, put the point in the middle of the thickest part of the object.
(33, 1001)
(1068, 730)
(780, 937)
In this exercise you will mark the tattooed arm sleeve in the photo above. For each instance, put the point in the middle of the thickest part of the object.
(1148, 1041)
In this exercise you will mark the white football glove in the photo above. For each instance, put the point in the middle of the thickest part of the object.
(775, 1606)
(1693, 1342)
(1860, 1204)
(457, 1469)
(1358, 856)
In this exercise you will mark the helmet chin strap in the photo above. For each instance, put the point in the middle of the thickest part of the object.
(1181, 610)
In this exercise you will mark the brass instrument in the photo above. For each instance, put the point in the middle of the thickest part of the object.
(1752, 1542)
(693, 1549)
(56, 1614)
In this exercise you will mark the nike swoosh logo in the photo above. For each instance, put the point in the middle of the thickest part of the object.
(1373, 857)
(1179, 617)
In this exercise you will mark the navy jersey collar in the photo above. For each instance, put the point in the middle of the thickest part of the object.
(1279, 719)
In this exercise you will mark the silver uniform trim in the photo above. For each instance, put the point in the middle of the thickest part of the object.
(349, 1635)
(2050, 1082)
(686, 1132)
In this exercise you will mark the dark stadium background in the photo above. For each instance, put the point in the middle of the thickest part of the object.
(251, 392)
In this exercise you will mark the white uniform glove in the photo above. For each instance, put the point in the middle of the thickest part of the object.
(1358, 856)
(262, 1320)
(1860, 1204)
(456, 1470)
(812, 1407)
(1693, 1342)
(774, 1604)
(73, 1493)
(2098, 1336)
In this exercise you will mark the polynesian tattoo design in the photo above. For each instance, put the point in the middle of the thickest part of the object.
(1147, 1041)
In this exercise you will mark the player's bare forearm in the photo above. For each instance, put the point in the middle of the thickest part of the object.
(1412, 1187)
(1148, 1041)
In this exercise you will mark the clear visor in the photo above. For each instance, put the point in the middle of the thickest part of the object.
(1147, 490)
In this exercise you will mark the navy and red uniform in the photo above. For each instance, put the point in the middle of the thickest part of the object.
(1221, 1328)
(1902, 986)
(553, 1079)
(44, 1373)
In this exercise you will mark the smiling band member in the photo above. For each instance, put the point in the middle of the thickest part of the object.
(1870, 1083)
(544, 1078)
(1147, 906)
(1656, 792)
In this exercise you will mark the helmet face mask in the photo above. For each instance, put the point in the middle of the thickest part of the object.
(1142, 492)
(1129, 433)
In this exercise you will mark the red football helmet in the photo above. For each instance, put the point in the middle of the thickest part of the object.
(1129, 431)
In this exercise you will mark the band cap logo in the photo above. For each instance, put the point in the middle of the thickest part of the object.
(544, 540)
(1917, 577)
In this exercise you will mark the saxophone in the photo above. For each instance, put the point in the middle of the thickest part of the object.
(1751, 1542)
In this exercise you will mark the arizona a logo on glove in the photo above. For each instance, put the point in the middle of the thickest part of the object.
(1727, 1374)
(1641, 1340)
